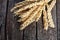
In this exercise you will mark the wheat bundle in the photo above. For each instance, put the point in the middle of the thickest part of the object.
(31, 10)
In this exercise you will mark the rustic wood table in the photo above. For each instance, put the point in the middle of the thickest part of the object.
(9, 26)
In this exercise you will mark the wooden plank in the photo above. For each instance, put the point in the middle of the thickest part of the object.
(58, 18)
(51, 34)
(30, 32)
(12, 26)
(3, 5)
(39, 29)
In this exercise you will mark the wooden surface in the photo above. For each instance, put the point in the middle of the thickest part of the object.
(58, 19)
(9, 26)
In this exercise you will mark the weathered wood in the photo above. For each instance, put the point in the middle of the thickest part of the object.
(12, 28)
(58, 18)
(30, 32)
(3, 7)
(33, 32)
(50, 34)
(39, 29)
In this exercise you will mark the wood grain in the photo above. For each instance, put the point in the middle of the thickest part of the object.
(30, 32)
(58, 19)
(3, 7)
(12, 26)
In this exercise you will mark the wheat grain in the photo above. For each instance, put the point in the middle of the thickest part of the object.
(24, 3)
(50, 7)
(39, 15)
(45, 20)
(29, 6)
(28, 12)
(50, 20)
(26, 15)
(29, 21)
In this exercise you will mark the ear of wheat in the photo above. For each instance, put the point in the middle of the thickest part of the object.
(31, 10)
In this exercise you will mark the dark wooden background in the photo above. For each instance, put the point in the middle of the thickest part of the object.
(9, 26)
